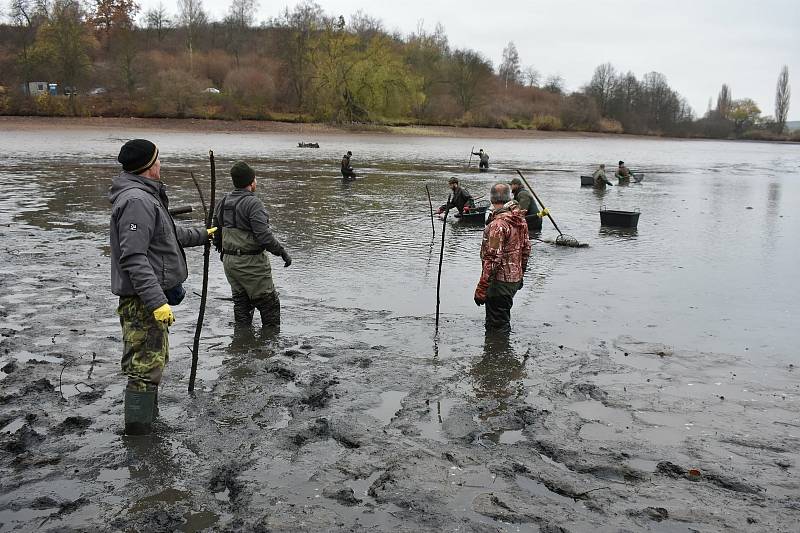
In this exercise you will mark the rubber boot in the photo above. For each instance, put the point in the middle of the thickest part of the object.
(139, 407)
(270, 309)
(242, 309)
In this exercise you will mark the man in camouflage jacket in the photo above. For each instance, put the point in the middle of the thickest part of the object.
(505, 251)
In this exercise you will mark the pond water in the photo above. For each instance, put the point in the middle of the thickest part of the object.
(713, 265)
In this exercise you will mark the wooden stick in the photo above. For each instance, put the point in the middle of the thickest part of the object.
(200, 192)
(470, 156)
(206, 257)
(430, 204)
(441, 255)
(540, 202)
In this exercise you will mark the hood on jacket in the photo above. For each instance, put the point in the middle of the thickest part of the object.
(511, 214)
(125, 181)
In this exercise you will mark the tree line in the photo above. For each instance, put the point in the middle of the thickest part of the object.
(110, 59)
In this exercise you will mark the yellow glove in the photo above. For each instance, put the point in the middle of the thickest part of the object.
(211, 231)
(543, 213)
(164, 314)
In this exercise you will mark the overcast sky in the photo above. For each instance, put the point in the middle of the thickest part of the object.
(697, 44)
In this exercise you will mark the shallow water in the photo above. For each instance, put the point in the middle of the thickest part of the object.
(703, 271)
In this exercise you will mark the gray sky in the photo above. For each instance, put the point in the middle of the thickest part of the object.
(697, 44)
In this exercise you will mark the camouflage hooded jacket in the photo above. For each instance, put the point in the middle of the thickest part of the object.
(506, 248)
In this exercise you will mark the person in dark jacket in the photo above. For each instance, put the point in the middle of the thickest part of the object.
(148, 267)
(244, 236)
(459, 199)
(347, 169)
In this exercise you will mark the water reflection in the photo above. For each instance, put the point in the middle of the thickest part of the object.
(498, 374)
(367, 244)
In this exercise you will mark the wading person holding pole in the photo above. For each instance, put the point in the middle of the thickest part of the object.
(505, 251)
(484, 157)
(523, 198)
(243, 237)
(148, 267)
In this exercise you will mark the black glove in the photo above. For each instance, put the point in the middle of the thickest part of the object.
(287, 259)
(479, 302)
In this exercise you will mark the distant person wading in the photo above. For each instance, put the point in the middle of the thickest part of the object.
(243, 238)
(347, 169)
(484, 158)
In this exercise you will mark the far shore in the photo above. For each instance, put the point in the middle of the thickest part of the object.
(306, 131)
(303, 131)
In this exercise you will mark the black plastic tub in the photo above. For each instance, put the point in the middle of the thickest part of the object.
(619, 219)
(587, 181)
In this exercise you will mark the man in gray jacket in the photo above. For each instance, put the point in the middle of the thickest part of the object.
(148, 267)
(243, 239)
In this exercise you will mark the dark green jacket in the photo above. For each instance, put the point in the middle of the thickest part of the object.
(526, 201)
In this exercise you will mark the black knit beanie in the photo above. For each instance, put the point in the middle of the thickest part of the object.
(242, 175)
(137, 155)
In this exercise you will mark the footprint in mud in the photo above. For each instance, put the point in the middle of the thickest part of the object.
(224, 483)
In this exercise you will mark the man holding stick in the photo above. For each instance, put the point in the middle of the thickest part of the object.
(243, 238)
(505, 251)
(148, 267)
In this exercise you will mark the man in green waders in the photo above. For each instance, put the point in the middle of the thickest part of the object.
(243, 237)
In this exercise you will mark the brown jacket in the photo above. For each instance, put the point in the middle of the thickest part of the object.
(505, 249)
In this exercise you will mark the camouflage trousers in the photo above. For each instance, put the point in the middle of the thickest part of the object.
(146, 345)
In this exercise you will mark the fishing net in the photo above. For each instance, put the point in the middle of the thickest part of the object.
(569, 240)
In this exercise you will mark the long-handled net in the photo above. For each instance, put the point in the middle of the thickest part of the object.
(562, 239)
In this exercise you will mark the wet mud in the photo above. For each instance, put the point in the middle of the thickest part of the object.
(353, 419)
(318, 432)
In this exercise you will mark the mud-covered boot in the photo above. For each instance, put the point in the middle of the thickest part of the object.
(242, 309)
(270, 309)
(139, 408)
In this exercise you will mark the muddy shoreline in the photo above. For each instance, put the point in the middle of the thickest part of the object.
(306, 131)
(318, 431)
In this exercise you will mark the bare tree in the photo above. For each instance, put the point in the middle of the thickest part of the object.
(531, 76)
(193, 17)
(157, 19)
(554, 84)
(468, 72)
(241, 14)
(28, 15)
(724, 101)
(782, 94)
(510, 71)
(602, 86)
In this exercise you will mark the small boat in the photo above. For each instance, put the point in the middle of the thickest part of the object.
(307, 145)
(619, 219)
(587, 181)
(476, 215)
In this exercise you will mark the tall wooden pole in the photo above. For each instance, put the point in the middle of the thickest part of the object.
(441, 255)
(430, 204)
(204, 294)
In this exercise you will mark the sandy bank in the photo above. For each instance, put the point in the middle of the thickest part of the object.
(303, 131)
